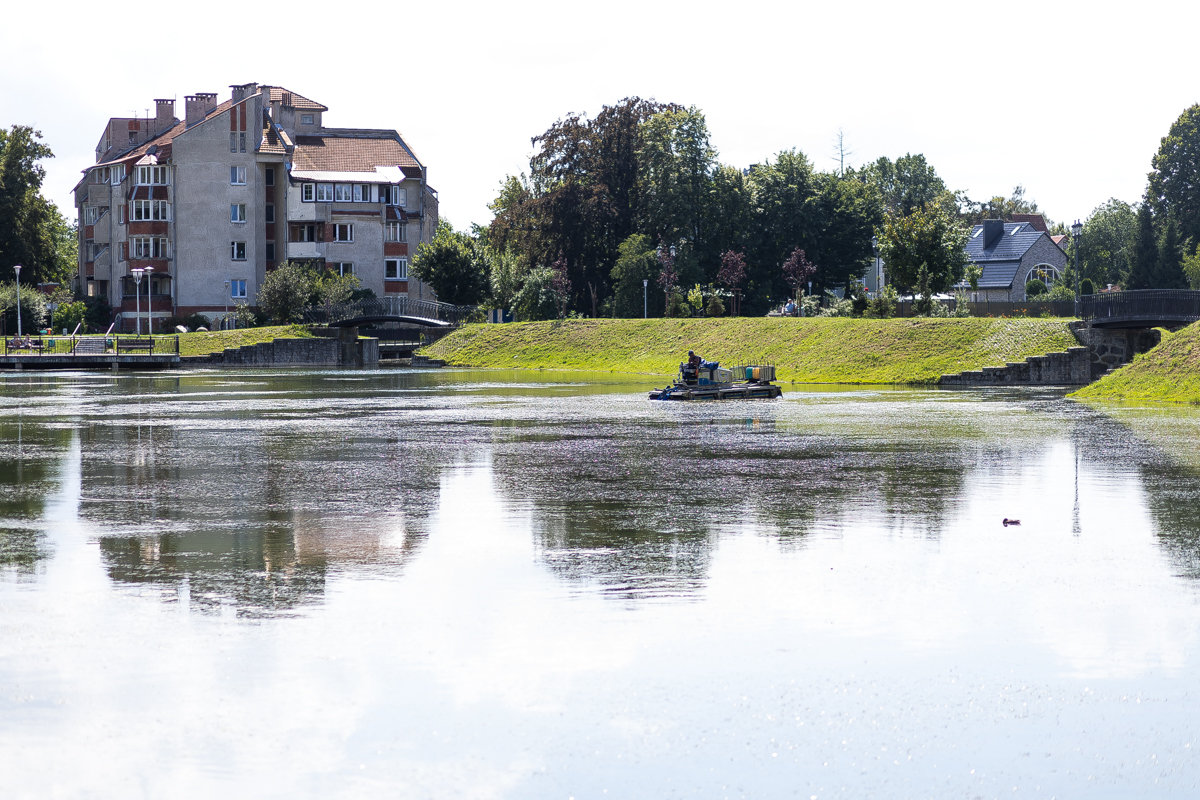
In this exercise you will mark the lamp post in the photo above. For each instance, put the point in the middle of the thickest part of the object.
(645, 298)
(17, 269)
(225, 319)
(137, 298)
(1076, 232)
(149, 314)
(878, 264)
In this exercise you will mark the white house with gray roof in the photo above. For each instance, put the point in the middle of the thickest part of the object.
(1011, 254)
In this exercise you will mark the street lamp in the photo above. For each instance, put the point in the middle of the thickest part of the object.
(1076, 232)
(149, 315)
(137, 298)
(17, 269)
(645, 298)
(225, 319)
(878, 264)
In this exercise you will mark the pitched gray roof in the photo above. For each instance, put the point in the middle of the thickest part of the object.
(1001, 260)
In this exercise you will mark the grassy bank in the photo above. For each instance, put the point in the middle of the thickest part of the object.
(821, 350)
(1168, 373)
(202, 343)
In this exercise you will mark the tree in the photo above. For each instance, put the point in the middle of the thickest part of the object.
(1168, 273)
(906, 185)
(32, 231)
(1173, 191)
(668, 275)
(560, 284)
(930, 237)
(1107, 241)
(636, 262)
(732, 275)
(973, 272)
(1142, 272)
(32, 310)
(285, 293)
(797, 270)
(1002, 207)
(69, 315)
(453, 265)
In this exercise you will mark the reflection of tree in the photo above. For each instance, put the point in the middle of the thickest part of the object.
(639, 509)
(29, 465)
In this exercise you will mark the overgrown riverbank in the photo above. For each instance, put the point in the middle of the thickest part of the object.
(821, 350)
(1168, 373)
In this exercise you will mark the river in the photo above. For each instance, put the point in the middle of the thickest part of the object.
(541, 585)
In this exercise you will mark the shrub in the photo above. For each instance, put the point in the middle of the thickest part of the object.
(884, 304)
(715, 307)
(1087, 287)
(99, 314)
(244, 316)
(68, 315)
(1035, 288)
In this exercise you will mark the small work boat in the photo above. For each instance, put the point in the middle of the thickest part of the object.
(705, 380)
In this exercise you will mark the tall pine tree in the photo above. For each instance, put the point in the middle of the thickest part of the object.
(1169, 272)
(1144, 266)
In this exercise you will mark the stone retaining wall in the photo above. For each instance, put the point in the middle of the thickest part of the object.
(1052, 369)
(315, 352)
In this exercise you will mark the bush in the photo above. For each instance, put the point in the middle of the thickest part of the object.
(536, 299)
(962, 306)
(884, 304)
(1034, 288)
(33, 308)
(285, 292)
(69, 315)
(1059, 291)
(99, 314)
(835, 307)
(245, 317)
(1087, 287)
(715, 307)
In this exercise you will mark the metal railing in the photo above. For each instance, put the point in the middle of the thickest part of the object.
(377, 307)
(111, 344)
(1151, 305)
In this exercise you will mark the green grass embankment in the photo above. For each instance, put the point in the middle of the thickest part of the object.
(1169, 373)
(202, 343)
(821, 350)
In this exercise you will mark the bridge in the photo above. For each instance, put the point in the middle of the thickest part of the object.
(426, 313)
(1143, 308)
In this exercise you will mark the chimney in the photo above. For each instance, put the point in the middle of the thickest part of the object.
(197, 106)
(993, 229)
(243, 91)
(165, 116)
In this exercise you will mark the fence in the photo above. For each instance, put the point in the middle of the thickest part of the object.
(1152, 305)
(111, 344)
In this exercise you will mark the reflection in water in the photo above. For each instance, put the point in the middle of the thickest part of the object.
(486, 585)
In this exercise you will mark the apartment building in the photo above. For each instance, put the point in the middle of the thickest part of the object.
(208, 205)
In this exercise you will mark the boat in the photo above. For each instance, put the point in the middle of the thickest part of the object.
(710, 381)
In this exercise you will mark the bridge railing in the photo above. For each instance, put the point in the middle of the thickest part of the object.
(390, 307)
(1148, 304)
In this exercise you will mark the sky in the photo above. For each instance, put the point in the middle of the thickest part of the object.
(1068, 99)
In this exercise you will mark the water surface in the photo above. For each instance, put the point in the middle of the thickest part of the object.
(530, 584)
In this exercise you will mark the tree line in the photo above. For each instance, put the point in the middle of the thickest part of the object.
(631, 210)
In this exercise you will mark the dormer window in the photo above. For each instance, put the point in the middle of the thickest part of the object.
(977, 233)
(1014, 230)
(306, 119)
(152, 176)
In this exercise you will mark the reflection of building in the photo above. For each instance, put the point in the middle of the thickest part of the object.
(212, 203)
(1011, 254)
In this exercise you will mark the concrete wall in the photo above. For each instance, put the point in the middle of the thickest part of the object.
(1112, 347)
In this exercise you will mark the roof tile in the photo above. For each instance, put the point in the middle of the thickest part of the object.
(327, 153)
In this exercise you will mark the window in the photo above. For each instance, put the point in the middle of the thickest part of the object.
(147, 247)
(270, 213)
(91, 214)
(399, 196)
(306, 192)
(362, 193)
(237, 251)
(232, 142)
(395, 232)
(151, 176)
(242, 142)
(343, 193)
(395, 269)
(324, 192)
(118, 174)
(151, 211)
(270, 251)
(306, 233)
(132, 137)
(270, 176)
(237, 289)
(120, 215)
(306, 119)
(94, 250)
(343, 233)
(237, 212)
(342, 268)
(100, 175)
(1046, 273)
(237, 176)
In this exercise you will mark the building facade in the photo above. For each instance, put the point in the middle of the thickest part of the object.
(1012, 254)
(208, 205)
